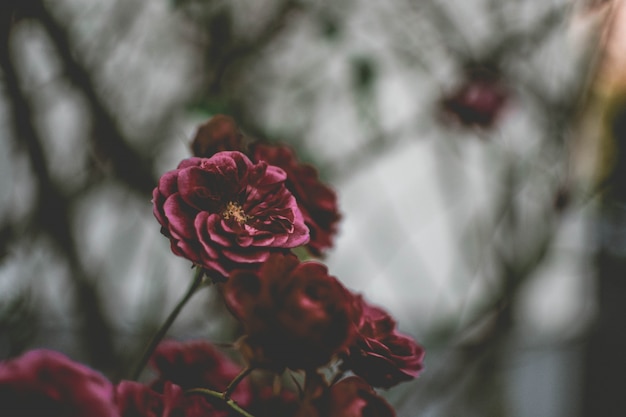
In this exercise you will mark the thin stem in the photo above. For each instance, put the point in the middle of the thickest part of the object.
(230, 402)
(233, 384)
(195, 285)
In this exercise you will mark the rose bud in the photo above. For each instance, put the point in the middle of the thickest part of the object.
(381, 355)
(317, 201)
(197, 364)
(220, 133)
(226, 212)
(45, 383)
(294, 314)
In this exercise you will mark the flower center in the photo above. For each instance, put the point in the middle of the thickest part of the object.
(235, 211)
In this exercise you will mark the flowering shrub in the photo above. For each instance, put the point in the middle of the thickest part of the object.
(236, 217)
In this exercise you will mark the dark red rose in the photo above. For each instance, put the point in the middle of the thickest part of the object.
(137, 400)
(218, 134)
(317, 201)
(226, 212)
(381, 355)
(46, 383)
(350, 397)
(294, 314)
(479, 100)
(197, 364)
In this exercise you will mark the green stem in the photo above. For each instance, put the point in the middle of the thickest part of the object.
(195, 285)
(233, 384)
(230, 402)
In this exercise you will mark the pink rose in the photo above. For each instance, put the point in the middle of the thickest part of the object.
(226, 212)
(294, 314)
(46, 383)
(381, 355)
(317, 201)
(197, 364)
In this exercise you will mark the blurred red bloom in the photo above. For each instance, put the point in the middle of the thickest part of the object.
(46, 383)
(317, 201)
(381, 355)
(294, 314)
(226, 212)
(197, 364)
(479, 100)
(138, 400)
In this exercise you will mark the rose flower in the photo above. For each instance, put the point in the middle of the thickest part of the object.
(46, 383)
(480, 99)
(381, 355)
(294, 314)
(197, 364)
(317, 201)
(226, 212)
(138, 400)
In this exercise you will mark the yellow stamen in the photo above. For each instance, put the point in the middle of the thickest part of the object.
(235, 211)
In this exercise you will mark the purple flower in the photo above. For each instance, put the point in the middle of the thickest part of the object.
(46, 383)
(226, 212)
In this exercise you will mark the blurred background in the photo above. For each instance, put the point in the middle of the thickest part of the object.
(476, 147)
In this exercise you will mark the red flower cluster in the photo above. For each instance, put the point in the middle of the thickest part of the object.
(237, 215)
(316, 201)
(225, 211)
(295, 315)
(47, 384)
